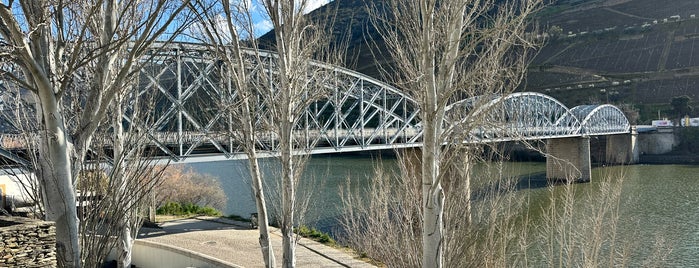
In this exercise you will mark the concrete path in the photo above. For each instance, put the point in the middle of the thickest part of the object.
(234, 242)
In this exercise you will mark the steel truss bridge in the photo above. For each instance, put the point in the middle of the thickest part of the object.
(357, 113)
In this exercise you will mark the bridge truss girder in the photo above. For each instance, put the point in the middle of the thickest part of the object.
(356, 112)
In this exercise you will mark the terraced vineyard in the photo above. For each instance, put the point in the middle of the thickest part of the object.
(632, 51)
(640, 52)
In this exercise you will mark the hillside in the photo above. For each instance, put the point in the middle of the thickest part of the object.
(634, 51)
(641, 52)
(352, 28)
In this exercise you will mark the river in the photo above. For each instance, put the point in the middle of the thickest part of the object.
(656, 200)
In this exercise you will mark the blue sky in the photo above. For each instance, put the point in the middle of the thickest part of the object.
(262, 23)
(260, 19)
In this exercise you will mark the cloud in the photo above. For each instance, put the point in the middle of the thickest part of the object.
(260, 19)
(262, 27)
(314, 4)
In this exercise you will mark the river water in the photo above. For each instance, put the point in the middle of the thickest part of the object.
(657, 201)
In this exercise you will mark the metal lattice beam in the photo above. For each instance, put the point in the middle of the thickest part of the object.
(358, 113)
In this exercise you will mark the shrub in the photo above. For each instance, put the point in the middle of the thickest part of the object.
(187, 209)
(171, 208)
(314, 234)
(184, 186)
(689, 140)
(498, 226)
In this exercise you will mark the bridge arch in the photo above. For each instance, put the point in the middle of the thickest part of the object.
(601, 119)
(527, 115)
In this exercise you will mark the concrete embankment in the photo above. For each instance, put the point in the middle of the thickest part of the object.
(672, 145)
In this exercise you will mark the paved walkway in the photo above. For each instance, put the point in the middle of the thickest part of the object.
(234, 242)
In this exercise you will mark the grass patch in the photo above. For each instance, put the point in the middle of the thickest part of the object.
(315, 235)
(177, 209)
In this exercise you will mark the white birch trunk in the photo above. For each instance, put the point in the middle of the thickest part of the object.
(256, 176)
(432, 198)
(258, 190)
(242, 106)
(57, 181)
(466, 162)
(125, 244)
(286, 37)
(296, 43)
(262, 215)
(288, 198)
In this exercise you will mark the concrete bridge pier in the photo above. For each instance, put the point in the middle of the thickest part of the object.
(568, 159)
(622, 149)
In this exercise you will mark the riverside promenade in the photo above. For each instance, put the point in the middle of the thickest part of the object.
(233, 242)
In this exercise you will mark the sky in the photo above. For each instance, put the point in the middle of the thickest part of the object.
(262, 23)
(260, 19)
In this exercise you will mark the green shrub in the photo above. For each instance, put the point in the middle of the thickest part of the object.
(314, 234)
(170, 208)
(208, 211)
(177, 209)
(689, 140)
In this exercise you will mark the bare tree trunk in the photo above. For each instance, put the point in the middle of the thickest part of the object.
(257, 186)
(465, 173)
(433, 198)
(57, 184)
(125, 243)
(243, 94)
(288, 197)
(290, 37)
(262, 215)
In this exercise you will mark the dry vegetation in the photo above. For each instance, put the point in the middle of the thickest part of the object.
(183, 185)
(504, 229)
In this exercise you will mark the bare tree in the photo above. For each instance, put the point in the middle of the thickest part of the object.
(290, 89)
(445, 51)
(114, 200)
(295, 84)
(385, 221)
(223, 25)
(49, 47)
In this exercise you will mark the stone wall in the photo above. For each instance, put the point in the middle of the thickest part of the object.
(27, 243)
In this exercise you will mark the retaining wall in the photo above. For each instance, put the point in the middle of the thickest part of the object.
(27, 243)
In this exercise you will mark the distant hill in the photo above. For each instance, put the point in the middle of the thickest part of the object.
(636, 51)
(633, 51)
(353, 28)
